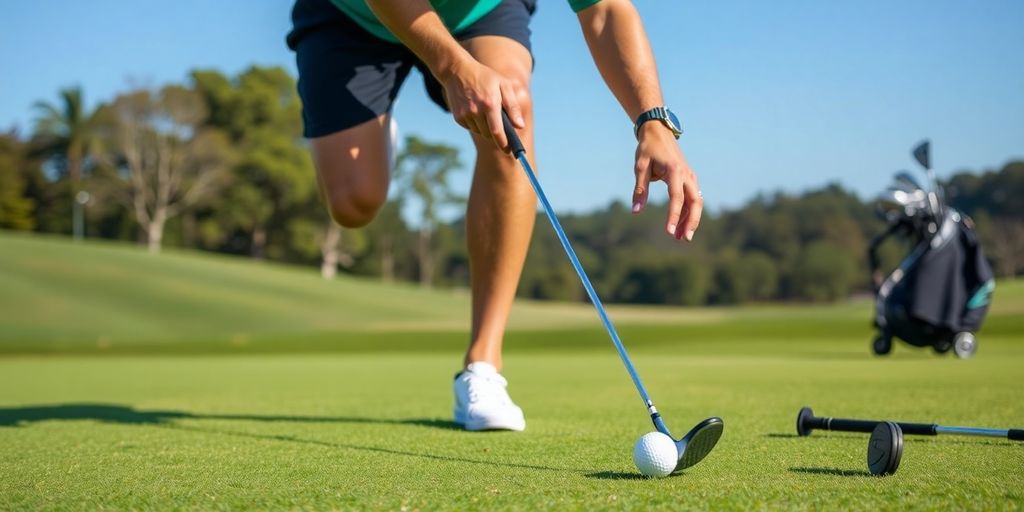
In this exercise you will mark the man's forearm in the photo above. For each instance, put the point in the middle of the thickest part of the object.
(417, 26)
(623, 55)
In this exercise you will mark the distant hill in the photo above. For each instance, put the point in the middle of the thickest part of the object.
(60, 293)
(96, 296)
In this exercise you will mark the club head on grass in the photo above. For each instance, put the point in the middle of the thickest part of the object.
(698, 442)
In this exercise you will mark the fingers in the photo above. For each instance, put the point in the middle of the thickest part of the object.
(466, 122)
(643, 180)
(496, 130)
(676, 201)
(476, 98)
(685, 205)
(484, 118)
(510, 102)
(694, 207)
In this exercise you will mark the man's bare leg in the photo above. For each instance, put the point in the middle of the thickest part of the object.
(501, 212)
(352, 170)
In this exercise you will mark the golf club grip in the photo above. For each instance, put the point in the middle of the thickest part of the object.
(1015, 434)
(514, 143)
(844, 425)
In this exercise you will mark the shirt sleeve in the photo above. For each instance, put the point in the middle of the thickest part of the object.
(579, 5)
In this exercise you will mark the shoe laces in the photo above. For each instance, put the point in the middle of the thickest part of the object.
(488, 388)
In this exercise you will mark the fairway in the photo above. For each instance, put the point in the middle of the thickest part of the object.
(313, 410)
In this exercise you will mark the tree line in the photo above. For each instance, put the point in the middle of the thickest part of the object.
(218, 164)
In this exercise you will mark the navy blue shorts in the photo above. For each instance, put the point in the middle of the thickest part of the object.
(348, 76)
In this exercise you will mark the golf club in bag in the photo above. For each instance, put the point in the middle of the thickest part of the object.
(939, 294)
(701, 439)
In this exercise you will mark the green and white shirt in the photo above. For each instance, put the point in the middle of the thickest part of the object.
(456, 14)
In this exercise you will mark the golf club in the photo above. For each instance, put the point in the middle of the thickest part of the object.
(806, 422)
(885, 448)
(701, 439)
(907, 182)
(903, 198)
(923, 155)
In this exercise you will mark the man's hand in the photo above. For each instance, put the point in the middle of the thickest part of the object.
(658, 158)
(476, 94)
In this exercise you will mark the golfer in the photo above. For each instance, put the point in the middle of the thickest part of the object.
(475, 55)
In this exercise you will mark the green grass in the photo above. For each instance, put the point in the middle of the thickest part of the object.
(224, 384)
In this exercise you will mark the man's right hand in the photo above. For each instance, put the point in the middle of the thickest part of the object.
(476, 94)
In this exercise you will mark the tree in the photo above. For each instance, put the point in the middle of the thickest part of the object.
(172, 161)
(274, 178)
(64, 133)
(750, 276)
(824, 272)
(16, 210)
(66, 130)
(422, 170)
(388, 248)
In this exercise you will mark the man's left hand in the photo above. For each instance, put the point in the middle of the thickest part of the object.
(658, 158)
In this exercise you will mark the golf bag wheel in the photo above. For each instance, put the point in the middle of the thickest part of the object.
(965, 345)
(943, 346)
(882, 345)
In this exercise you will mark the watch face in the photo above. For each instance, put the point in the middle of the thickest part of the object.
(674, 121)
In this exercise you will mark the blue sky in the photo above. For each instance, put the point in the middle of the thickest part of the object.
(773, 95)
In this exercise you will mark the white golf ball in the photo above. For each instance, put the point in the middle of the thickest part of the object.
(655, 454)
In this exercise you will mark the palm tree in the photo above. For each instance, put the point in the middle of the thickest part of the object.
(64, 133)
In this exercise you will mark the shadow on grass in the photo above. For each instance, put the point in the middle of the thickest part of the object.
(831, 471)
(109, 413)
(616, 475)
(374, 449)
(19, 416)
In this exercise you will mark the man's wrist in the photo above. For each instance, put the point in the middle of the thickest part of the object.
(655, 129)
(448, 65)
(658, 115)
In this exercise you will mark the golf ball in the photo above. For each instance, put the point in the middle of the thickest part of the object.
(655, 454)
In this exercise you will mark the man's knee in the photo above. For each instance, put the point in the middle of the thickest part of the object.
(354, 208)
(353, 169)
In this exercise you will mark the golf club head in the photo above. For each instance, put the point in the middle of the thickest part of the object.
(895, 203)
(922, 153)
(885, 449)
(888, 208)
(803, 429)
(906, 181)
(698, 442)
(903, 197)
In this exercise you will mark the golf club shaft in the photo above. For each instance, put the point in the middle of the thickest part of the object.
(519, 151)
(917, 429)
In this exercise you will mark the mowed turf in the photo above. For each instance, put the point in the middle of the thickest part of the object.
(355, 415)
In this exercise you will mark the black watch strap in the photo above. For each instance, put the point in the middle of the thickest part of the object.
(662, 114)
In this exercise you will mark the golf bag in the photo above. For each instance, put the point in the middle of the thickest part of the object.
(939, 294)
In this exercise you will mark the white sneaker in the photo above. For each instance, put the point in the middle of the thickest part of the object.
(481, 401)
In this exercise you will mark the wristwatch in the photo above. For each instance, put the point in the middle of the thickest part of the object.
(663, 114)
